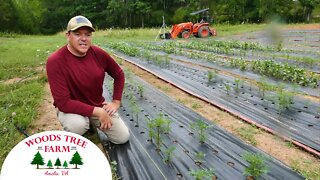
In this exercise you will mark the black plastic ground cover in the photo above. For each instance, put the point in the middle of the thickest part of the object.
(249, 75)
(139, 159)
(252, 55)
(295, 124)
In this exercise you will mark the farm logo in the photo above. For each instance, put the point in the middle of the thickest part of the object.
(55, 154)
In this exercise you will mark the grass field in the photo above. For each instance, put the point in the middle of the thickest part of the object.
(22, 73)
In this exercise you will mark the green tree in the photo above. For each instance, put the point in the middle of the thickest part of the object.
(308, 6)
(8, 15)
(48, 17)
(65, 164)
(38, 160)
(76, 159)
(142, 9)
(57, 163)
(49, 164)
(29, 14)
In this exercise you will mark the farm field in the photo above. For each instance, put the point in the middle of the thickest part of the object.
(251, 91)
(274, 89)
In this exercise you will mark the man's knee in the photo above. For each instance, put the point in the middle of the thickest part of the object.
(78, 128)
(125, 135)
(120, 136)
(74, 123)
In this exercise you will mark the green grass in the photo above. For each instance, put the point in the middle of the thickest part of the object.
(20, 55)
(148, 34)
(248, 133)
(226, 29)
(23, 100)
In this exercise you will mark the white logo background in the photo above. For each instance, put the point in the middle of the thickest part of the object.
(52, 145)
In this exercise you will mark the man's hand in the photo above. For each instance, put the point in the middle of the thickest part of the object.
(103, 116)
(111, 107)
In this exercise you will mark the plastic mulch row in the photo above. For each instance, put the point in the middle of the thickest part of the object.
(299, 126)
(139, 159)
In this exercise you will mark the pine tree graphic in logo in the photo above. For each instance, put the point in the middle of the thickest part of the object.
(76, 159)
(57, 163)
(38, 160)
(65, 164)
(49, 164)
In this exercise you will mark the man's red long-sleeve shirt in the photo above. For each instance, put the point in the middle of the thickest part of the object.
(76, 83)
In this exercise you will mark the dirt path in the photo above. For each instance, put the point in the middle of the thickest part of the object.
(47, 120)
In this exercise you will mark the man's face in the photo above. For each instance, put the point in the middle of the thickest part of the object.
(79, 41)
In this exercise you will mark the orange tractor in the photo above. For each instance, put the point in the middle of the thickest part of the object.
(184, 30)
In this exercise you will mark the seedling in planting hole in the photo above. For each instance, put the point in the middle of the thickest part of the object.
(284, 100)
(199, 157)
(150, 125)
(169, 154)
(263, 87)
(238, 83)
(135, 111)
(161, 125)
(257, 166)
(203, 174)
(131, 98)
(201, 127)
(132, 103)
(211, 75)
(227, 86)
(141, 90)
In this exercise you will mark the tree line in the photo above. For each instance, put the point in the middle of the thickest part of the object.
(48, 17)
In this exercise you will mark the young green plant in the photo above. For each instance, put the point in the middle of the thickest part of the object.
(211, 75)
(141, 90)
(203, 174)
(257, 166)
(160, 125)
(201, 127)
(238, 84)
(169, 154)
(199, 157)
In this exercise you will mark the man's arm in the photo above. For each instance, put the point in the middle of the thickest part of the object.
(60, 91)
(115, 71)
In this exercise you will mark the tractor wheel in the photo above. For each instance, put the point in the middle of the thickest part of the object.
(185, 35)
(203, 32)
